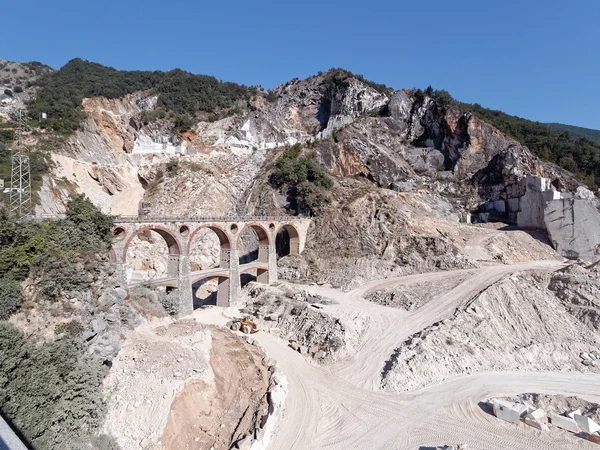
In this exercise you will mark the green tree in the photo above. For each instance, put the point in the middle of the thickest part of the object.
(27, 252)
(10, 297)
(48, 391)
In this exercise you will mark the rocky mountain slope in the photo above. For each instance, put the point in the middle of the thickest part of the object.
(376, 142)
(18, 83)
(357, 130)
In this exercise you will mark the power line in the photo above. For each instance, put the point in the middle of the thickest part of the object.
(20, 186)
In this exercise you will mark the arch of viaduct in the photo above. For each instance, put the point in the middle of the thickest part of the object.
(179, 234)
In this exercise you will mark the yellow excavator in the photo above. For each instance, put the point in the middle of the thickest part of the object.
(244, 324)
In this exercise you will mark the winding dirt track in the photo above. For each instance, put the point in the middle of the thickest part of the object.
(341, 406)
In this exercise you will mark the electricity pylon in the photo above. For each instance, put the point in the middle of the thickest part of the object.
(20, 180)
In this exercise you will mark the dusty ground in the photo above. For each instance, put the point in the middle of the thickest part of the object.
(514, 324)
(490, 242)
(340, 405)
(183, 385)
(215, 415)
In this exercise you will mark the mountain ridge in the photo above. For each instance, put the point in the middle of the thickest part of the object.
(577, 131)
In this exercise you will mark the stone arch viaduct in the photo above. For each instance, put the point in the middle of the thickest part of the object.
(179, 234)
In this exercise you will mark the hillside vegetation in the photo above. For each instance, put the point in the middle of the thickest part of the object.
(577, 132)
(179, 92)
(49, 388)
(303, 178)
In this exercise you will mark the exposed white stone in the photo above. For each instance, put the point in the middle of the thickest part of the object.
(538, 415)
(538, 192)
(566, 423)
(536, 424)
(508, 411)
(587, 424)
(574, 228)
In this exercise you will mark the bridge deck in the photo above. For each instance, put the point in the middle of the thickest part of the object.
(200, 275)
(173, 219)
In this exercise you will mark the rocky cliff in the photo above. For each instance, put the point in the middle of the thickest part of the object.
(448, 160)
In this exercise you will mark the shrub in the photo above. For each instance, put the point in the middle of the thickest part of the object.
(272, 96)
(72, 329)
(172, 167)
(61, 255)
(8, 92)
(183, 122)
(153, 115)
(10, 297)
(48, 391)
(92, 228)
(18, 89)
(305, 177)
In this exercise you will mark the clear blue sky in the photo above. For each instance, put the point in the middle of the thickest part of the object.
(538, 59)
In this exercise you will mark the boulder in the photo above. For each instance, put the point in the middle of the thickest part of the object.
(574, 228)
(536, 423)
(403, 186)
(538, 415)
(245, 443)
(593, 438)
(566, 423)
(508, 411)
(586, 424)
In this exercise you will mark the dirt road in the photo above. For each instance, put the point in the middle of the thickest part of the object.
(340, 406)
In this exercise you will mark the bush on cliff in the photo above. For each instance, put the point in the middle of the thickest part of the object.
(50, 390)
(306, 179)
(60, 255)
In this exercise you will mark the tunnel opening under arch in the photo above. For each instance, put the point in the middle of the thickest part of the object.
(287, 241)
(253, 243)
(151, 253)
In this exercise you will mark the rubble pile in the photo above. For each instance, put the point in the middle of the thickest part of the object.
(297, 315)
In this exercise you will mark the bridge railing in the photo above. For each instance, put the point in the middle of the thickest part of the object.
(173, 219)
(153, 218)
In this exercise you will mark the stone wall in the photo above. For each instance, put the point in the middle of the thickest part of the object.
(573, 226)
